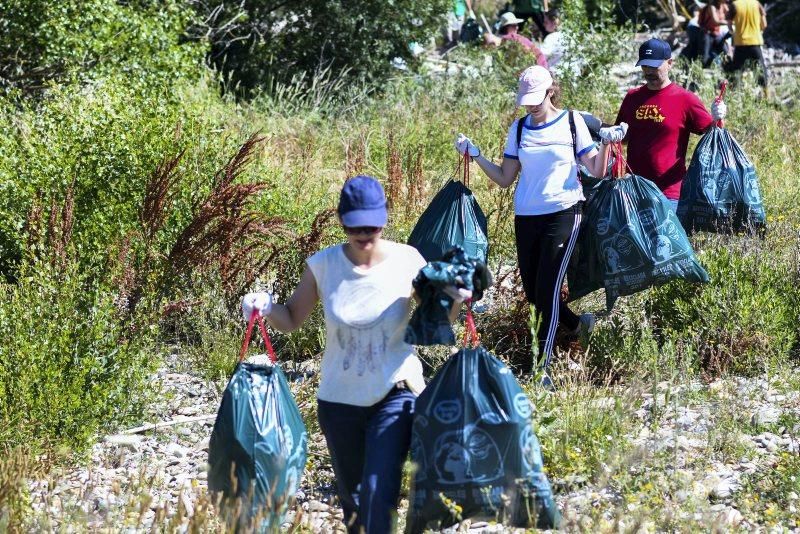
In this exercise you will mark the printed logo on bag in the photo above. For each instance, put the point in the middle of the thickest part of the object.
(603, 224)
(725, 186)
(522, 405)
(647, 218)
(467, 455)
(662, 247)
(650, 112)
(751, 190)
(288, 437)
(706, 157)
(447, 411)
(620, 254)
(531, 450)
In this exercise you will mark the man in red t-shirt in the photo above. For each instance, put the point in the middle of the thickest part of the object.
(658, 118)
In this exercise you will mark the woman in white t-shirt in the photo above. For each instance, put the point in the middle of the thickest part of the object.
(548, 199)
(370, 376)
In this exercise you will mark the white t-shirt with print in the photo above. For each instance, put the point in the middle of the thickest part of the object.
(366, 313)
(548, 181)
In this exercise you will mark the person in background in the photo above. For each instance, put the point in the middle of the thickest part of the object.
(369, 376)
(695, 34)
(658, 118)
(509, 31)
(455, 19)
(553, 45)
(534, 10)
(712, 19)
(547, 201)
(749, 22)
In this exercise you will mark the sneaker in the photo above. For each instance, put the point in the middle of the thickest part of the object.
(585, 327)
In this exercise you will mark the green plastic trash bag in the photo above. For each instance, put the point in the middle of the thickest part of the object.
(630, 240)
(720, 192)
(257, 450)
(453, 218)
(474, 446)
(430, 322)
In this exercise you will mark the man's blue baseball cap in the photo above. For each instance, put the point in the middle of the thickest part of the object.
(362, 203)
(653, 53)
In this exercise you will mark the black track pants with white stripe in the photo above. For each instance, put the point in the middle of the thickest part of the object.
(544, 246)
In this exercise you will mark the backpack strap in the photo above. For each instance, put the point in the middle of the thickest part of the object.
(572, 132)
(520, 125)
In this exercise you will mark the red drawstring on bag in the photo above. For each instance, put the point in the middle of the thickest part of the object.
(722, 88)
(270, 351)
(620, 163)
(471, 333)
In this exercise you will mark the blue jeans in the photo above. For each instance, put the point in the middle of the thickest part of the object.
(368, 447)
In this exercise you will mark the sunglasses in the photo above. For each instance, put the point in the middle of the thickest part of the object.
(355, 230)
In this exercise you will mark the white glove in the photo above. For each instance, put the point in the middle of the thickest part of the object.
(614, 134)
(463, 144)
(458, 294)
(260, 301)
(471, 15)
(718, 110)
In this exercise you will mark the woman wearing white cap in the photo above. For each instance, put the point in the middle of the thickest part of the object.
(548, 199)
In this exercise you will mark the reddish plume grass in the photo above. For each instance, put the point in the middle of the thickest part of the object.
(415, 184)
(224, 232)
(394, 171)
(159, 192)
(355, 156)
(53, 242)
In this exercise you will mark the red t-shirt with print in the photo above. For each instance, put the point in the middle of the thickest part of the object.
(659, 123)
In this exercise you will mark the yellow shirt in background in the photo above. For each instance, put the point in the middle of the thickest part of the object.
(747, 24)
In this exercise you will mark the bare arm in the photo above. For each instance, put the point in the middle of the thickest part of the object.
(504, 174)
(717, 16)
(545, 6)
(290, 316)
(596, 161)
(763, 16)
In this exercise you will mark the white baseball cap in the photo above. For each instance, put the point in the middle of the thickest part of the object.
(533, 85)
(509, 18)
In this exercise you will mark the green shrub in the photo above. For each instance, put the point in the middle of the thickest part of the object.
(68, 368)
(770, 496)
(274, 43)
(744, 320)
(89, 39)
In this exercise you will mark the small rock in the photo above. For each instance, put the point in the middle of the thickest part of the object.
(724, 489)
(731, 517)
(173, 449)
(130, 442)
(187, 503)
(317, 506)
(765, 415)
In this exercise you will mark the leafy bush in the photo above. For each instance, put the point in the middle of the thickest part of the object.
(89, 39)
(68, 367)
(270, 42)
(744, 320)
